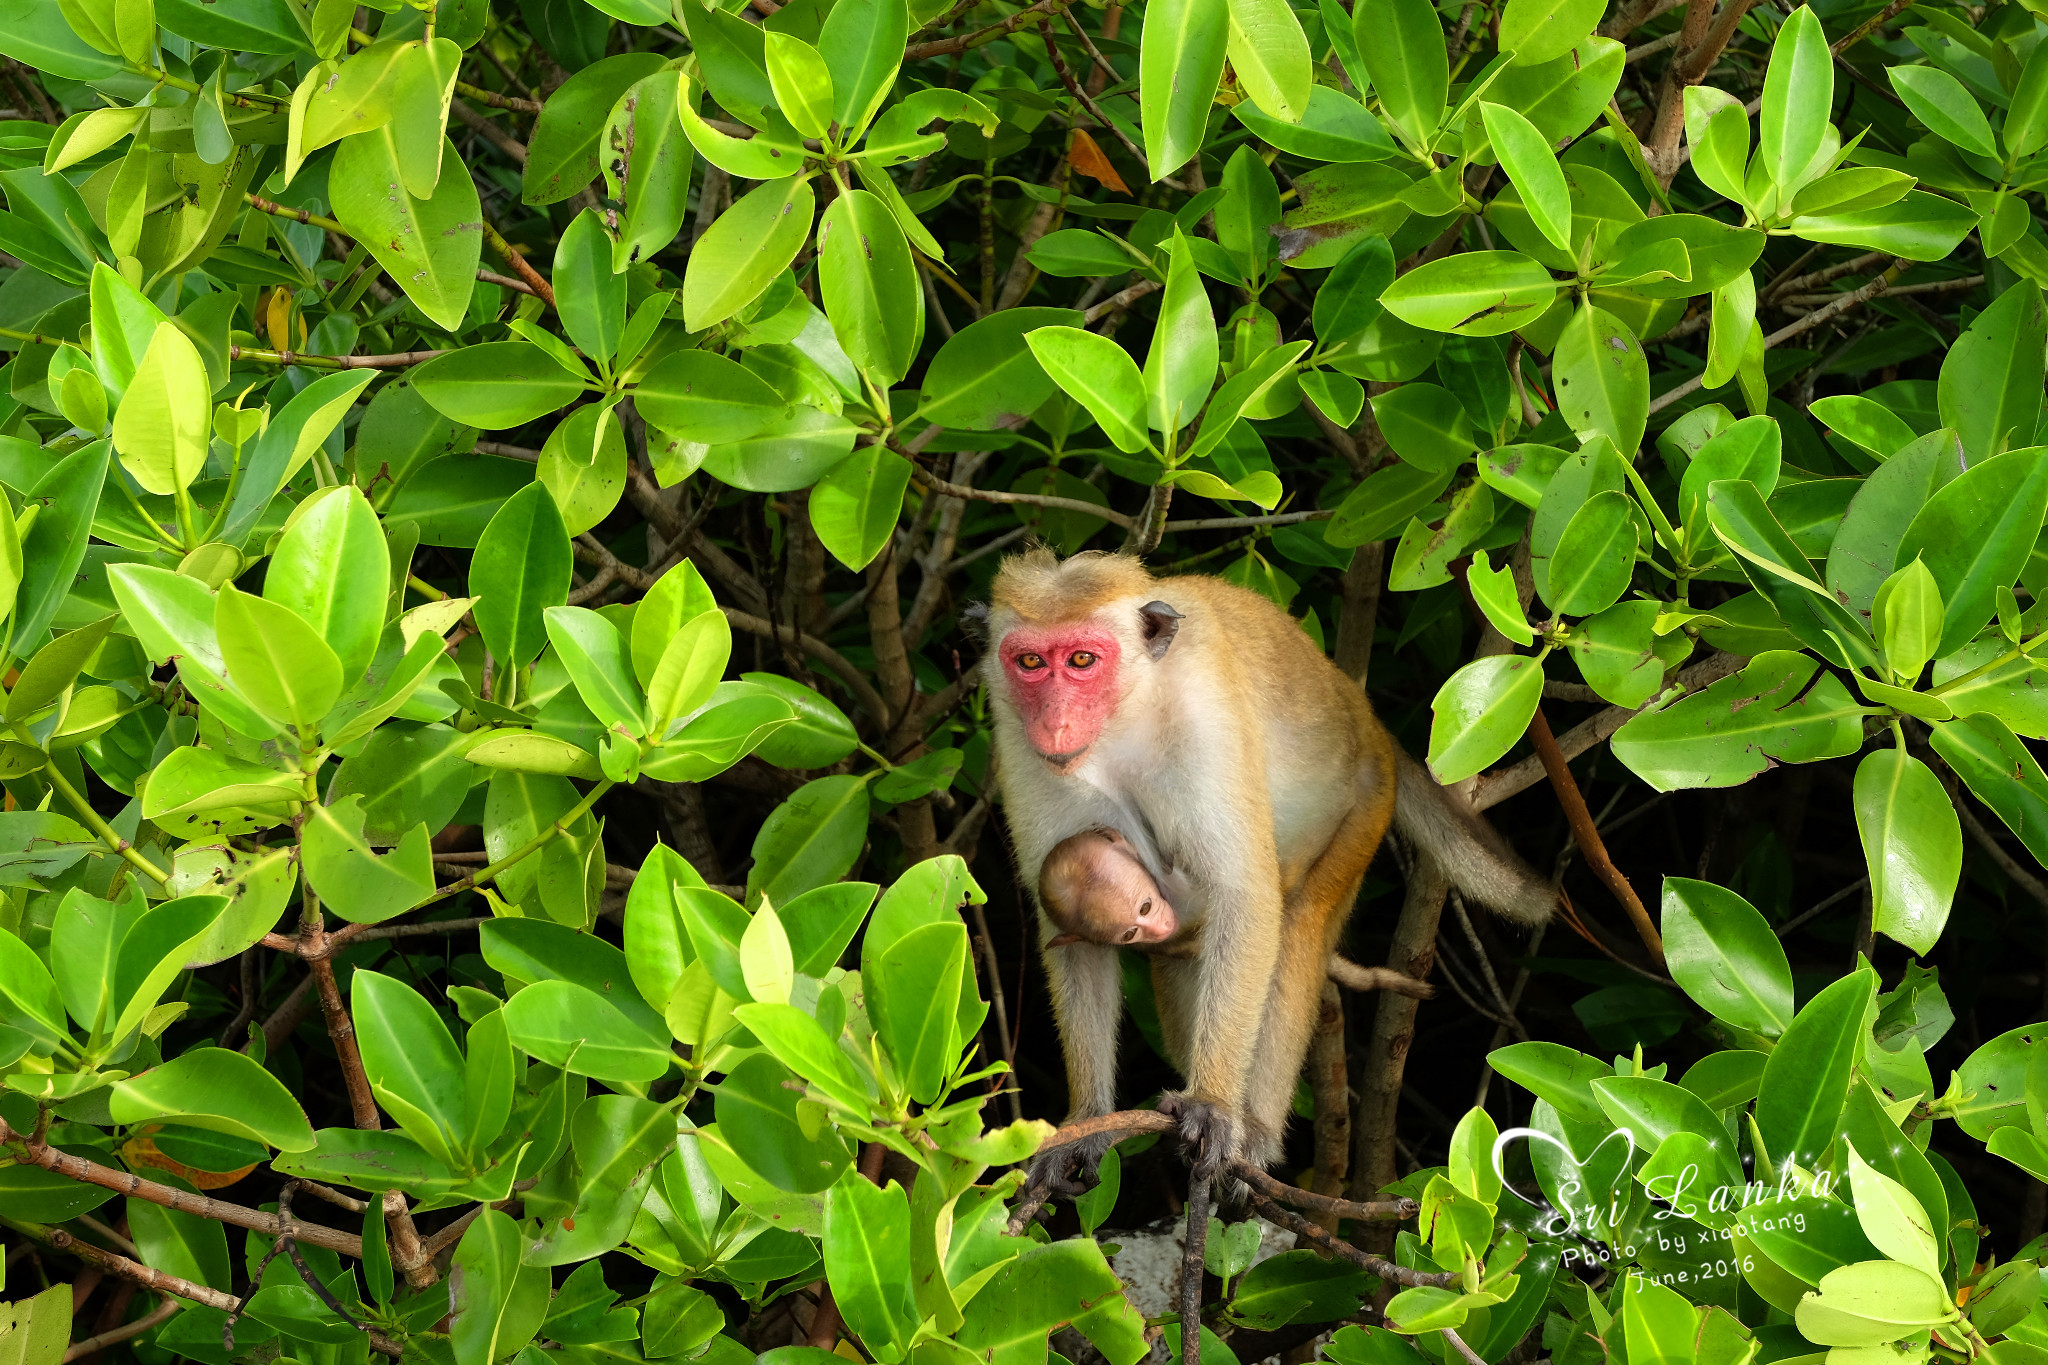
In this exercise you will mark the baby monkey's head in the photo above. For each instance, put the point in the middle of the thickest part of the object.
(1096, 890)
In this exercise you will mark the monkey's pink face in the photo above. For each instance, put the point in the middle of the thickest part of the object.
(1062, 680)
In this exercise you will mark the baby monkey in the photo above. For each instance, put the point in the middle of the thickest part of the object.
(1096, 889)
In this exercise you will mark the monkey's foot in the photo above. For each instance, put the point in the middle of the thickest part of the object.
(1070, 1171)
(1211, 1132)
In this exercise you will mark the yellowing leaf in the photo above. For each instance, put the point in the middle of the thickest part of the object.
(160, 432)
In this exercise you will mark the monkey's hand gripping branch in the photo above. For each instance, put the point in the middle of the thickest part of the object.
(1098, 1135)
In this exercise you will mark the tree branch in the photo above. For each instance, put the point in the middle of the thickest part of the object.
(1498, 785)
(123, 1182)
(1588, 835)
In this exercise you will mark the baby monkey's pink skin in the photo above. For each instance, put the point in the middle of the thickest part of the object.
(1095, 889)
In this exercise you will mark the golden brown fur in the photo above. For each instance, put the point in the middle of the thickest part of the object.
(1236, 758)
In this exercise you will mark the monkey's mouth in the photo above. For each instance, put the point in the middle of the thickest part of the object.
(1064, 762)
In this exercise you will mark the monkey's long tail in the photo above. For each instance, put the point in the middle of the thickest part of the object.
(1471, 852)
(1345, 972)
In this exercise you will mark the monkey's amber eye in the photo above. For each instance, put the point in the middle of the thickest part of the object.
(1129, 934)
(1030, 663)
(1145, 909)
(1081, 659)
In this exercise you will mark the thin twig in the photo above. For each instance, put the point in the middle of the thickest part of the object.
(1123, 298)
(1830, 903)
(1191, 1256)
(204, 1206)
(1588, 835)
(1377, 1265)
(942, 47)
(1498, 785)
(1799, 328)
(161, 1314)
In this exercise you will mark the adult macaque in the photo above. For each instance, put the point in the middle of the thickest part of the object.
(1202, 722)
(1095, 889)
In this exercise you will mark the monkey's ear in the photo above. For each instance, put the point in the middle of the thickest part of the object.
(1161, 622)
(974, 620)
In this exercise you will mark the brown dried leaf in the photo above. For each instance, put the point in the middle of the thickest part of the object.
(1087, 158)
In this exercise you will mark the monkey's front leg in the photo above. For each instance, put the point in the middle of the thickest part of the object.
(1088, 1001)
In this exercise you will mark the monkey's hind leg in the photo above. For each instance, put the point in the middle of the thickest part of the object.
(1313, 918)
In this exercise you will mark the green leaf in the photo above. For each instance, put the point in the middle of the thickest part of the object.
(1920, 227)
(1181, 366)
(572, 1026)
(563, 153)
(1180, 62)
(54, 547)
(985, 376)
(1099, 373)
(1913, 843)
(502, 1301)
(1426, 426)
(1775, 564)
(521, 568)
(412, 1062)
(1402, 47)
(1494, 591)
(162, 426)
(1739, 725)
(1907, 616)
(2001, 772)
(809, 840)
(801, 81)
(46, 678)
(1939, 100)
(822, 921)
(1799, 93)
(1892, 1218)
(1537, 31)
(1472, 293)
(279, 663)
(758, 1115)
(333, 571)
(1994, 371)
(1481, 712)
(1806, 1081)
(869, 285)
(1725, 956)
(589, 297)
(496, 385)
(592, 650)
(867, 1251)
(653, 180)
(219, 1091)
(430, 247)
(1269, 53)
(691, 664)
(802, 1044)
(355, 883)
(1974, 536)
(1595, 556)
(1872, 1303)
(863, 45)
(751, 244)
(677, 598)
(766, 965)
(854, 508)
(1603, 379)
(701, 396)
(914, 989)
(1526, 156)
(2026, 122)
